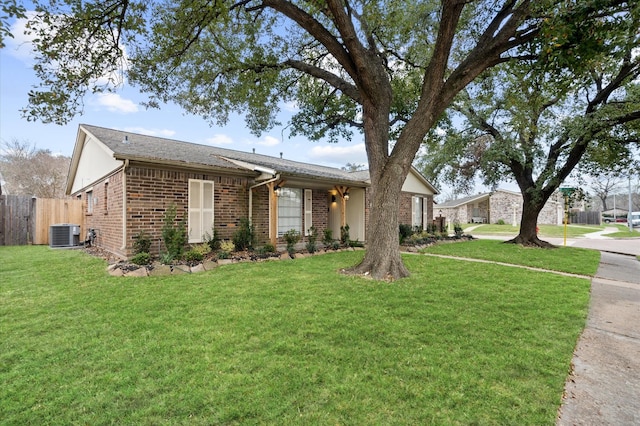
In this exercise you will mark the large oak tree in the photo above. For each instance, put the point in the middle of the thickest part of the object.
(387, 69)
(535, 121)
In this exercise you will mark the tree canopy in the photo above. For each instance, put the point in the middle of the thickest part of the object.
(535, 121)
(385, 69)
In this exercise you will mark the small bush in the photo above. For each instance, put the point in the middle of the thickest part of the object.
(405, 232)
(166, 259)
(203, 248)
(266, 249)
(327, 238)
(311, 242)
(500, 222)
(335, 245)
(193, 255)
(141, 259)
(457, 229)
(356, 243)
(227, 246)
(244, 237)
(212, 239)
(291, 237)
(344, 235)
(174, 234)
(141, 243)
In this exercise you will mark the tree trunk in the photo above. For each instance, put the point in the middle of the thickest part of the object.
(528, 235)
(382, 259)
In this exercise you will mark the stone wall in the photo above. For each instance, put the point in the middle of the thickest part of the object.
(502, 207)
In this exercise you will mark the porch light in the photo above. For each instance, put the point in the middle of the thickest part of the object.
(333, 198)
(277, 190)
(346, 196)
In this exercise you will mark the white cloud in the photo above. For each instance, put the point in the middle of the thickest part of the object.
(268, 141)
(164, 133)
(115, 103)
(340, 154)
(219, 139)
(20, 45)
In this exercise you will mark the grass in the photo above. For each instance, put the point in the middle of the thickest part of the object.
(548, 231)
(290, 342)
(563, 259)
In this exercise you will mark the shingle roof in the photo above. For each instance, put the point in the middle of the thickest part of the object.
(161, 149)
(461, 201)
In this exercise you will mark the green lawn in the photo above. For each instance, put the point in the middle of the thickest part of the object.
(548, 231)
(564, 259)
(289, 342)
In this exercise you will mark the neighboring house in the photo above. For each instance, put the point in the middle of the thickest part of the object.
(129, 180)
(496, 206)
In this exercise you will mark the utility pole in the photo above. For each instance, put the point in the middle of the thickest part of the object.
(629, 217)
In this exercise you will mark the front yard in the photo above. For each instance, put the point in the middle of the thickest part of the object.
(287, 342)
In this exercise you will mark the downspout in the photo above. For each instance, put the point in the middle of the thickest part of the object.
(124, 206)
(273, 179)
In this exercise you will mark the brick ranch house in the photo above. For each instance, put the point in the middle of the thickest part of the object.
(128, 181)
(491, 207)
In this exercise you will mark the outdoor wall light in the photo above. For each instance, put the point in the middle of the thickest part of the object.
(277, 190)
(346, 196)
(333, 198)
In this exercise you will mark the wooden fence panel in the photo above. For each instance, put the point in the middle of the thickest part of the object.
(586, 218)
(54, 211)
(16, 220)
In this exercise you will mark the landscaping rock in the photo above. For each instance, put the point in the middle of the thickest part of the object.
(197, 268)
(285, 256)
(115, 272)
(300, 256)
(160, 270)
(225, 261)
(184, 268)
(209, 265)
(140, 272)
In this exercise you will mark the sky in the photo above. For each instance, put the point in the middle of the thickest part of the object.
(122, 111)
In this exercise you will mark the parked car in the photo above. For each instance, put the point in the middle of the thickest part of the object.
(635, 218)
(617, 219)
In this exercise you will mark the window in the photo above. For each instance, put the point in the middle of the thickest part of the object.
(200, 209)
(289, 210)
(417, 205)
(89, 201)
(106, 197)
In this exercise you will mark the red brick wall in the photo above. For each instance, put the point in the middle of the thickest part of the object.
(151, 191)
(404, 213)
(106, 217)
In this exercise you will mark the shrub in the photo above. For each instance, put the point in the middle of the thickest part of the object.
(500, 222)
(141, 243)
(166, 259)
(457, 229)
(174, 235)
(344, 235)
(356, 243)
(311, 243)
(266, 249)
(327, 238)
(141, 258)
(244, 238)
(291, 237)
(405, 232)
(212, 239)
(193, 255)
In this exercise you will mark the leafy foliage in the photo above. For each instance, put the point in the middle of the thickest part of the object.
(174, 233)
(291, 237)
(141, 243)
(244, 237)
(385, 69)
(141, 258)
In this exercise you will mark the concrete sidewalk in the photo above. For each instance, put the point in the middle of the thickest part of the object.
(604, 386)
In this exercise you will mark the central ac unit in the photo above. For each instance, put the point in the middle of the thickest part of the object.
(64, 235)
